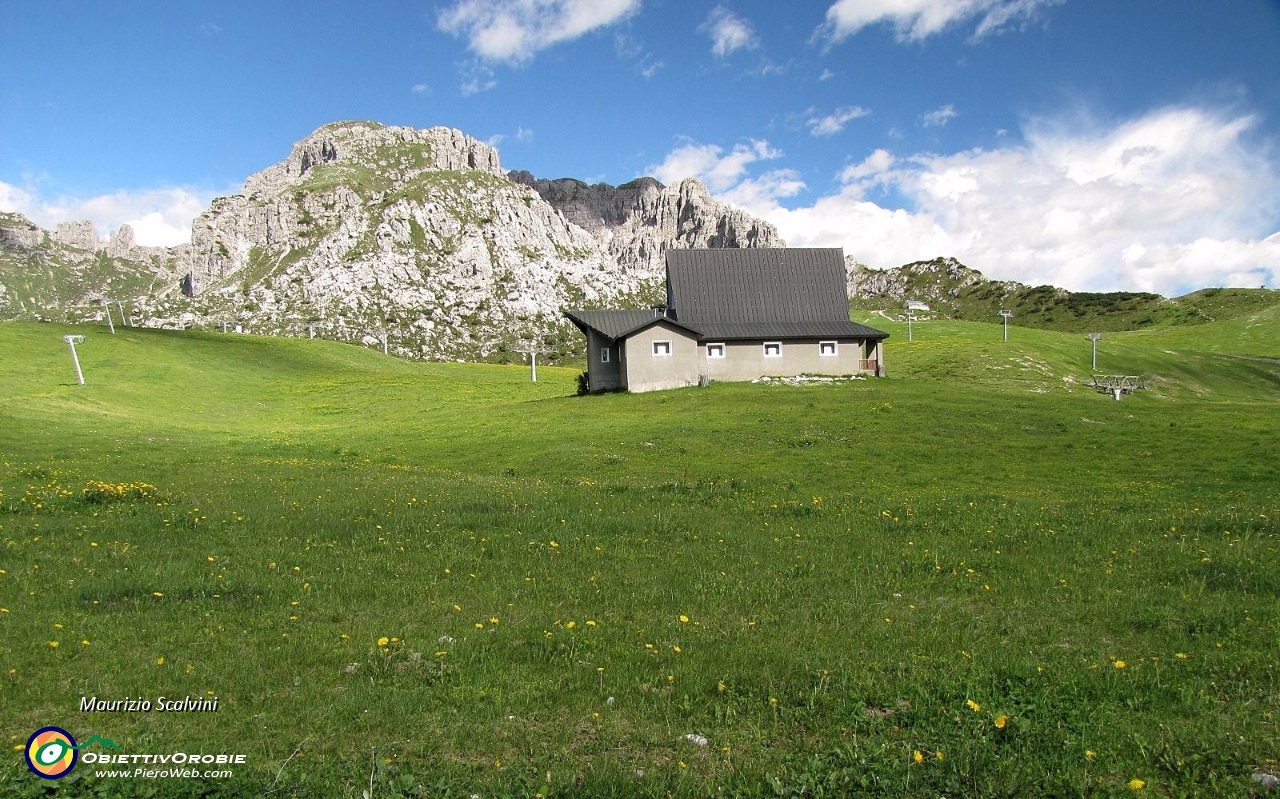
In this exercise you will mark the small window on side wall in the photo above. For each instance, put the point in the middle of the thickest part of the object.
(661, 349)
(773, 349)
(826, 348)
(715, 350)
(604, 355)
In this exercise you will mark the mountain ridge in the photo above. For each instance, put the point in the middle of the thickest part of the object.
(419, 239)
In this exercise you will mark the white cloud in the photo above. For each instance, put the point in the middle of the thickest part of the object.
(523, 134)
(709, 163)
(914, 20)
(648, 70)
(1171, 201)
(834, 122)
(826, 75)
(476, 78)
(876, 166)
(513, 31)
(159, 217)
(420, 88)
(728, 32)
(939, 117)
(767, 188)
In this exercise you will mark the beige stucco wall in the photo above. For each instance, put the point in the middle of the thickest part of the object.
(647, 372)
(745, 360)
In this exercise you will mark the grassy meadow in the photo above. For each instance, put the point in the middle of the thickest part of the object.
(977, 577)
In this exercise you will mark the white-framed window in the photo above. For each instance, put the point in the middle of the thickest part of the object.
(604, 355)
(661, 349)
(827, 348)
(773, 349)
(715, 350)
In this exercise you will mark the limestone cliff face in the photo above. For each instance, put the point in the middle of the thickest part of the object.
(367, 230)
(638, 221)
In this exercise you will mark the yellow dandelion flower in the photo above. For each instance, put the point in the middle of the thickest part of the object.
(160, 660)
(676, 649)
(720, 686)
(1119, 664)
(1001, 720)
(51, 644)
(939, 755)
(1180, 655)
(479, 626)
(591, 623)
(493, 619)
(457, 608)
(974, 706)
(917, 756)
(383, 641)
(671, 678)
(684, 619)
(570, 625)
(156, 594)
(1089, 754)
(1137, 784)
(84, 643)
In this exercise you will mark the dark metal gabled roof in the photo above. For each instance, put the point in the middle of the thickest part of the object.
(614, 325)
(757, 285)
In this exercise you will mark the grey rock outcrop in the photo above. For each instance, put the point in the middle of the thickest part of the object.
(18, 231)
(638, 221)
(77, 234)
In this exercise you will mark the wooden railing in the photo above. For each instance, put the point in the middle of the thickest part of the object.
(868, 366)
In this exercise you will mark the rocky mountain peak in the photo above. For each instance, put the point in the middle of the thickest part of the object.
(398, 153)
(638, 221)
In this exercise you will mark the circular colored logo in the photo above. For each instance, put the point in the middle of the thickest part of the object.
(51, 752)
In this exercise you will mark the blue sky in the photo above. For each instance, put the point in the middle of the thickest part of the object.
(1095, 145)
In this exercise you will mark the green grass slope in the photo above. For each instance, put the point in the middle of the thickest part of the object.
(954, 291)
(975, 577)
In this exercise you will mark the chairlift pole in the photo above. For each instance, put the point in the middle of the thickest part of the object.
(106, 306)
(1005, 315)
(1095, 338)
(533, 363)
(72, 341)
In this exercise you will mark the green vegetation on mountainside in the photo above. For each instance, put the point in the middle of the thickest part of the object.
(956, 292)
